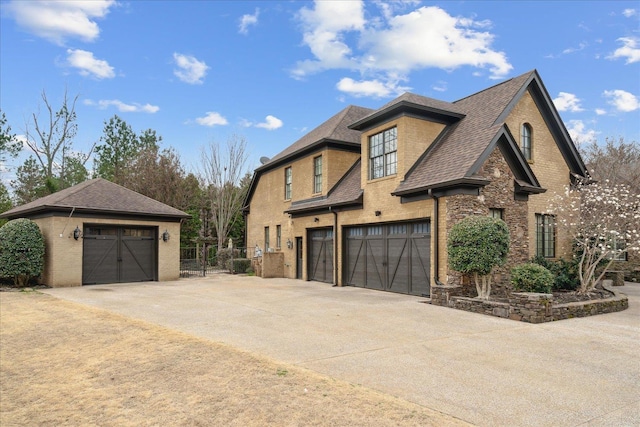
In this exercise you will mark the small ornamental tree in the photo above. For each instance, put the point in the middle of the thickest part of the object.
(475, 246)
(603, 221)
(21, 251)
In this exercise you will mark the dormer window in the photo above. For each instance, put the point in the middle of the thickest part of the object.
(383, 153)
(525, 141)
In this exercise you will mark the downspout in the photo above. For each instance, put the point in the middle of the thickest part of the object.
(335, 246)
(436, 243)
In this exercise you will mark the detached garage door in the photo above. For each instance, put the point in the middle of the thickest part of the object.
(119, 254)
(321, 255)
(390, 257)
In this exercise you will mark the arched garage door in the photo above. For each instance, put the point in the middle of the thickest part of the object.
(119, 254)
(391, 257)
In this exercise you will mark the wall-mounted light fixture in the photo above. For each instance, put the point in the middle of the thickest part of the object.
(289, 244)
(316, 219)
(77, 233)
(378, 213)
(166, 236)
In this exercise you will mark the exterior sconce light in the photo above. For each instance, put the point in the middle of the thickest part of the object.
(378, 213)
(316, 219)
(289, 244)
(166, 236)
(77, 233)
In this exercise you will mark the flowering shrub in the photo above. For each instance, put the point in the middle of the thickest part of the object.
(604, 222)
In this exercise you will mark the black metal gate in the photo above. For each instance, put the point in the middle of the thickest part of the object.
(119, 254)
(390, 257)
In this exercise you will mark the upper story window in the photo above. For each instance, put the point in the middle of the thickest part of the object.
(317, 174)
(287, 183)
(526, 140)
(383, 153)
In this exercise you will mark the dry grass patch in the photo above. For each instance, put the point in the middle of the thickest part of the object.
(65, 364)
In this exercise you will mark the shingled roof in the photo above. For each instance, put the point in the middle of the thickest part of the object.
(346, 192)
(97, 196)
(335, 129)
(462, 147)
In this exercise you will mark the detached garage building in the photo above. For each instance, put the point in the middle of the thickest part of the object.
(99, 232)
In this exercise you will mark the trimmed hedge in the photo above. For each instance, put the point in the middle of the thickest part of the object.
(565, 272)
(531, 277)
(21, 251)
(238, 265)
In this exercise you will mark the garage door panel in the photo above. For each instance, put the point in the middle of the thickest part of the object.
(420, 266)
(138, 260)
(398, 262)
(375, 264)
(114, 254)
(393, 257)
(100, 260)
(356, 262)
(321, 255)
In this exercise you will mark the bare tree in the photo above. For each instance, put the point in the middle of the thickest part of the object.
(222, 171)
(615, 161)
(51, 138)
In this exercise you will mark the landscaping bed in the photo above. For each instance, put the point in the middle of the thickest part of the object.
(533, 307)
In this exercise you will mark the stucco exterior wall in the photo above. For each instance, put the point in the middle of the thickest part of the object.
(63, 254)
(547, 164)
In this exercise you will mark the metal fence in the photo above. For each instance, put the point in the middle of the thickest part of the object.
(200, 261)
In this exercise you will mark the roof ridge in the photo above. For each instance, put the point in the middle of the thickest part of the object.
(494, 86)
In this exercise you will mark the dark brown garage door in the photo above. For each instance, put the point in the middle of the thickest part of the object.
(390, 257)
(119, 254)
(321, 255)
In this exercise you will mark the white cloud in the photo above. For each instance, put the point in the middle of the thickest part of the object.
(600, 111)
(88, 65)
(440, 86)
(629, 50)
(372, 88)
(212, 119)
(190, 70)
(622, 100)
(248, 20)
(58, 21)
(567, 102)
(388, 47)
(270, 123)
(579, 132)
(103, 104)
(629, 12)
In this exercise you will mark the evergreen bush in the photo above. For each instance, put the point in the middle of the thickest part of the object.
(565, 272)
(239, 265)
(21, 251)
(531, 277)
(475, 246)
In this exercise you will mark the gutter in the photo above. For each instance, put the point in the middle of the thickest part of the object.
(436, 243)
(335, 246)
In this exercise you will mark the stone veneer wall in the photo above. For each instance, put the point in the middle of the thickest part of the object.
(498, 194)
(527, 307)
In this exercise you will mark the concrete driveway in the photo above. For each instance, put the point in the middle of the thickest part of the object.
(484, 370)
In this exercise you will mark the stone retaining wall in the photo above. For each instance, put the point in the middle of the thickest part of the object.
(527, 307)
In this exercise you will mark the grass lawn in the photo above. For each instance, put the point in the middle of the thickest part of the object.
(62, 363)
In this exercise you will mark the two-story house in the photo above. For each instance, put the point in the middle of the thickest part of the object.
(368, 197)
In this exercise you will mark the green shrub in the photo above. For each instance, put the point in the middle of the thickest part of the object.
(565, 272)
(21, 251)
(475, 246)
(531, 277)
(238, 265)
(224, 255)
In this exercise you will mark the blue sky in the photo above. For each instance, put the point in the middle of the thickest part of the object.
(200, 71)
